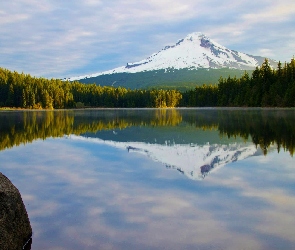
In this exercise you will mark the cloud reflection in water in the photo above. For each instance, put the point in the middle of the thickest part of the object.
(83, 195)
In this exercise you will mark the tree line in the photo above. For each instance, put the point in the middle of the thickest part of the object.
(25, 91)
(266, 87)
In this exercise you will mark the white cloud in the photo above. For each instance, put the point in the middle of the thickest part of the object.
(272, 13)
(54, 38)
(266, 53)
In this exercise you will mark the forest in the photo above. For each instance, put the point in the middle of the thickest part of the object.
(266, 87)
(25, 91)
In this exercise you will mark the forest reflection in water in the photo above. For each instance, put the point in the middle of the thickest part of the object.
(264, 127)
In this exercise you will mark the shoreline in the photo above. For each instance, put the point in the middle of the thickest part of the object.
(10, 109)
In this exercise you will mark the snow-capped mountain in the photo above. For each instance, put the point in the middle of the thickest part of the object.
(195, 51)
(192, 160)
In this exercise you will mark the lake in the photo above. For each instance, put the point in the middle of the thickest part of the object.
(154, 178)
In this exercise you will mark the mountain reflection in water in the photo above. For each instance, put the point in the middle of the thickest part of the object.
(192, 160)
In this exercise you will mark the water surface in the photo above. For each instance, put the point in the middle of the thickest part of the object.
(154, 179)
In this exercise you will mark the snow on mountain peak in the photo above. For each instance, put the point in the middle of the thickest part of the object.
(195, 36)
(194, 51)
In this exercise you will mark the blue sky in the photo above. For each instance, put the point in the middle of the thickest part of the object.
(53, 38)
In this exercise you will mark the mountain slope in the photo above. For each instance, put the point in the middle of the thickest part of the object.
(181, 79)
(196, 51)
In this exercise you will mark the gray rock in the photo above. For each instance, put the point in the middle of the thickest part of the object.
(15, 227)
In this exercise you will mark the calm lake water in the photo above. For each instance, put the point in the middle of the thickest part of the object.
(154, 179)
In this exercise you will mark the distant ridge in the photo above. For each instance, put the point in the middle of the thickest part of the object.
(193, 53)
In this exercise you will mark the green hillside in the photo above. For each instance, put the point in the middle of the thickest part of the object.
(182, 79)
